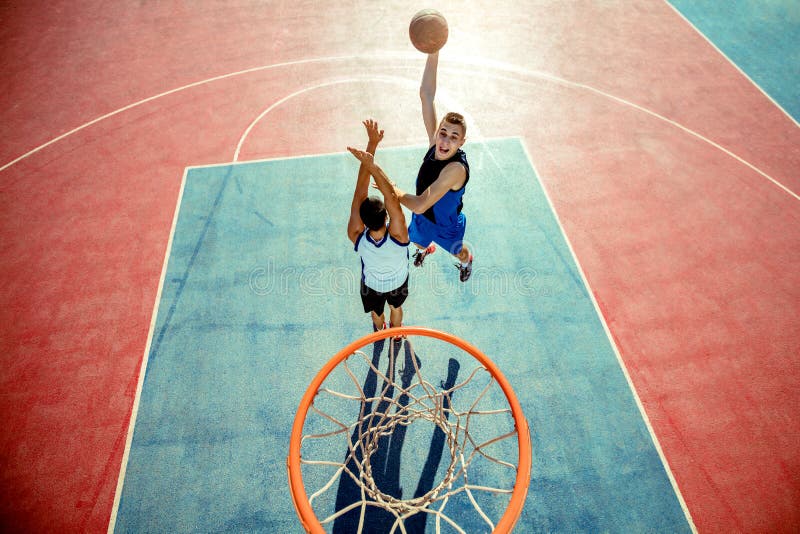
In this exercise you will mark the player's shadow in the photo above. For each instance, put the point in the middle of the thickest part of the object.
(385, 461)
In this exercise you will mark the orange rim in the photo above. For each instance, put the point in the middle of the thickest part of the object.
(299, 496)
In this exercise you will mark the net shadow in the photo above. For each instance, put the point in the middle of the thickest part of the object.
(385, 460)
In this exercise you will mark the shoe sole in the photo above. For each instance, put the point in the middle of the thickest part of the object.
(419, 258)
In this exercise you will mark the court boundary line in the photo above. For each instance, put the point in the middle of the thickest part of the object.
(121, 475)
(143, 365)
(411, 146)
(328, 83)
(568, 83)
(613, 344)
(656, 115)
(483, 140)
(733, 63)
(486, 63)
(482, 62)
(170, 92)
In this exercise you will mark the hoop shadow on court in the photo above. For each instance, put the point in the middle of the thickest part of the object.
(385, 459)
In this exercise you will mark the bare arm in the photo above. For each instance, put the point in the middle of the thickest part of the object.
(427, 94)
(451, 177)
(355, 225)
(397, 219)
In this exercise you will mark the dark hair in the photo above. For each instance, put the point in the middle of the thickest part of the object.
(457, 118)
(373, 213)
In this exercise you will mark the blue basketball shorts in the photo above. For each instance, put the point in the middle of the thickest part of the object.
(423, 232)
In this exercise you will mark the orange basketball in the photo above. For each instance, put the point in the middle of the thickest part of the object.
(428, 31)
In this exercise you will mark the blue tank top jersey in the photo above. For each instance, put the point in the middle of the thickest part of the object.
(445, 211)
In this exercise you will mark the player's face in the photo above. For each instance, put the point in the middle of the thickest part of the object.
(449, 139)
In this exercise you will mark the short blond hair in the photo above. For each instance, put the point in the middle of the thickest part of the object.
(456, 118)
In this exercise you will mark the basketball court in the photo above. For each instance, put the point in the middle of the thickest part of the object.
(176, 268)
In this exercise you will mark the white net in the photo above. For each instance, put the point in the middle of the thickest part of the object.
(464, 471)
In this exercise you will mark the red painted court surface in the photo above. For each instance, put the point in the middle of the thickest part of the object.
(675, 179)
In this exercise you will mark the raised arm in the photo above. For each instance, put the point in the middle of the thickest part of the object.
(355, 226)
(397, 219)
(451, 178)
(427, 94)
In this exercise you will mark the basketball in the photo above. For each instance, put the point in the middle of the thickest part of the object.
(428, 31)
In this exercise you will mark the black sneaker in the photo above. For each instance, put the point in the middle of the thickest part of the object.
(419, 255)
(465, 271)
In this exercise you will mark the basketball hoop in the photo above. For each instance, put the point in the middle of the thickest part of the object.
(408, 400)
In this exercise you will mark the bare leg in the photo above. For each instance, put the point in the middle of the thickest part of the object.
(378, 320)
(463, 256)
(395, 315)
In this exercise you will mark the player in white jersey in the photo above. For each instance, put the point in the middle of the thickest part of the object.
(382, 245)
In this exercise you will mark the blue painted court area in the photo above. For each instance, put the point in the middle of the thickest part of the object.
(262, 288)
(760, 36)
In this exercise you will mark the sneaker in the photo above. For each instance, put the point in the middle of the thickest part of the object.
(465, 271)
(399, 337)
(419, 255)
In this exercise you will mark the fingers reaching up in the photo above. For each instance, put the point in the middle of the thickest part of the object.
(374, 134)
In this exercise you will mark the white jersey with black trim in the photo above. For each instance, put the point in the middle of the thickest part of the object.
(384, 263)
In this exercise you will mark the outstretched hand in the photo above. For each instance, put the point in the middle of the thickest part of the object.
(361, 155)
(373, 133)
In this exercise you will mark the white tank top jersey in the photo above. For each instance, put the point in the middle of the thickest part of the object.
(384, 263)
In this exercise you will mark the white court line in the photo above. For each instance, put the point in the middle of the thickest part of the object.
(658, 116)
(415, 58)
(441, 97)
(472, 62)
(723, 54)
(412, 146)
(337, 81)
(614, 346)
(167, 93)
(143, 366)
(145, 358)
(154, 316)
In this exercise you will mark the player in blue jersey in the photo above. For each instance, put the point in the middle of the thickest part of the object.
(441, 182)
(382, 245)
